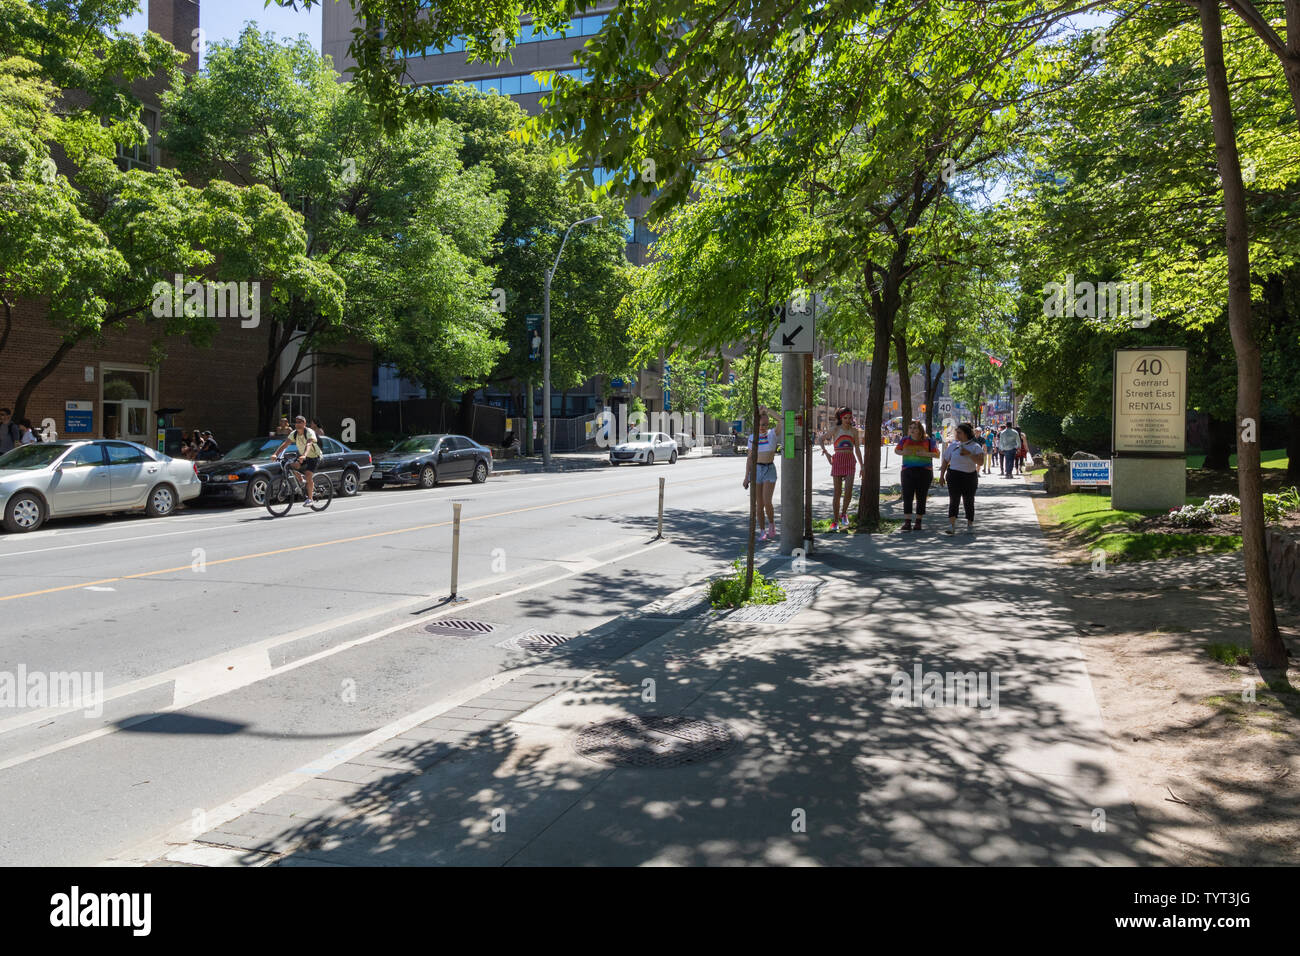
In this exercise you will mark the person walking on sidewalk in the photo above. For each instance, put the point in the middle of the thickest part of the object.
(763, 444)
(1008, 445)
(918, 451)
(848, 455)
(1022, 452)
(960, 471)
(990, 448)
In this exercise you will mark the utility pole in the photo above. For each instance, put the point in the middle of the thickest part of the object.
(546, 344)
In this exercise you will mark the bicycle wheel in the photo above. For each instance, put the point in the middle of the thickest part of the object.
(279, 497)
(322, 492)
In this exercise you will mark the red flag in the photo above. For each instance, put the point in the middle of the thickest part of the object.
(994, 360)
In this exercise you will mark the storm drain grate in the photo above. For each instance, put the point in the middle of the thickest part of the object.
(454, 625)
(536, 641)
(655, 741)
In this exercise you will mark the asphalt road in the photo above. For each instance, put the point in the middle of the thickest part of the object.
(234, 647)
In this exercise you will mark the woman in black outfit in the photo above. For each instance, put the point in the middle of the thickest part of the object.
(961, 463)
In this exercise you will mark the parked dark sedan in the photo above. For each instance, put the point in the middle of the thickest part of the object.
(246, 471)
(425, 460)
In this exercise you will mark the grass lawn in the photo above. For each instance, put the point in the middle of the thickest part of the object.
(1267, 459)
(1086, 520)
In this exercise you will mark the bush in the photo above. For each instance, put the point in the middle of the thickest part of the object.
(729, 592)
(1222, 504)
(1041, 427)
(1192, 516)
(1278, 506)
(1090, 433)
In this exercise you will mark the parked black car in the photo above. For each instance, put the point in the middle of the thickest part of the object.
(425, 460)
(246, 471)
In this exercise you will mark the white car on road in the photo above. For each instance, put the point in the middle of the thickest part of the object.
(62, 478)
(645, 448)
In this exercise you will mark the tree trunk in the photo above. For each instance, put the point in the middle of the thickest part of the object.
(40, 375)
(1293, 444)
(869, 497)
(465, 424)
(1267, 648)
(1221, 443)
(904, 380)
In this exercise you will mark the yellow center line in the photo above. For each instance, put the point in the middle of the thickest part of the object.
(360, 537)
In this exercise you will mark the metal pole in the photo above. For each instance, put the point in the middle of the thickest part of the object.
(792, 470)
(661, 509)
(546, 372)
(807, 453)
(455, 546)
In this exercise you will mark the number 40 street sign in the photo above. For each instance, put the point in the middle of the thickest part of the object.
(797, 330)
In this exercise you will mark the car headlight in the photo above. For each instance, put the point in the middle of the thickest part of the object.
(225, 478)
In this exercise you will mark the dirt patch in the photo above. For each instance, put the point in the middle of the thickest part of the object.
(1226, 525)
(1214, 775)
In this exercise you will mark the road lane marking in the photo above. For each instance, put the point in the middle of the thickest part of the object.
(348, 540)
(212, 677)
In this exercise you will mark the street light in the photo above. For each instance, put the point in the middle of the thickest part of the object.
(546, 343)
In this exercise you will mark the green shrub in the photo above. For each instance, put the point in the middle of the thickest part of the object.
(729, 592)
(1278, 506)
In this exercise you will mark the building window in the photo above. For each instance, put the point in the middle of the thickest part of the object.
(143, 155)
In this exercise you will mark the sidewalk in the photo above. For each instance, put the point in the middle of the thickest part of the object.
(766, 736)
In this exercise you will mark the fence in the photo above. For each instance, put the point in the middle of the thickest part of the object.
(487, 423)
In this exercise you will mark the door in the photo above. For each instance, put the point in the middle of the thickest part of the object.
(80, 483)
(131, 473)
(332, 460)
(135, 423)
(451, 464)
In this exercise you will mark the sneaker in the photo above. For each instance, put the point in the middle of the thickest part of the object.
(950, 530)
(917, 526)
(907, 525)
(835, 526)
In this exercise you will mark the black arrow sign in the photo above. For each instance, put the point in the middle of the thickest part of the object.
(788, 339)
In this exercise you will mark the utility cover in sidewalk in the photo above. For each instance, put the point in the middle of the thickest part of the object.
(453, 625)
(655, 741)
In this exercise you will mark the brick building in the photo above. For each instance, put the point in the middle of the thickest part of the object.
(113, 383)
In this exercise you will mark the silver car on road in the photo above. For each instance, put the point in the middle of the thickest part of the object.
(63, 478)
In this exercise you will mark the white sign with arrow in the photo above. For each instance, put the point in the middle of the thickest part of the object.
(798, 328)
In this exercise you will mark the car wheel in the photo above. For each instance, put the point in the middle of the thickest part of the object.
(255, 497)
(25, 512)
(480, 473)
(162, 501)
(672, 458)
(350, 484)
(428, 477)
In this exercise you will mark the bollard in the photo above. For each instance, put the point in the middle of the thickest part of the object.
(455, 546)
(661, 509)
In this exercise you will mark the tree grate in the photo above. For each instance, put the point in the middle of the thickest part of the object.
(662, 741)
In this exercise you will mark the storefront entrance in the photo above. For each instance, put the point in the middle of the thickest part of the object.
(127, 400)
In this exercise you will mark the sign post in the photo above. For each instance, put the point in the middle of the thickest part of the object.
(1150, 429)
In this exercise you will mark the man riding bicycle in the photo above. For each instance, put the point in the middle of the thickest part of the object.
(309, 453)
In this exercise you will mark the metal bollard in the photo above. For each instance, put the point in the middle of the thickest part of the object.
(661, 509)
(455, 546)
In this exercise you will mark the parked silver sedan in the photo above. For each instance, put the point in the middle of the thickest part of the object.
(63, 478)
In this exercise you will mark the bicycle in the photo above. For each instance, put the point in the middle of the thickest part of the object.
(280, 495)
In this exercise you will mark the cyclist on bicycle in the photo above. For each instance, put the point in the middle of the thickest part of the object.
(309, 453)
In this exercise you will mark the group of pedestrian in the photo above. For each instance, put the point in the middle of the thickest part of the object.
(961, 460)
(200, 446)
(14, 434)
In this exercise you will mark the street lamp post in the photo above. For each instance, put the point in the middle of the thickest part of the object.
(546, 344)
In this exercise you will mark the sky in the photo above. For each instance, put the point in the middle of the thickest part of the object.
(223, 19)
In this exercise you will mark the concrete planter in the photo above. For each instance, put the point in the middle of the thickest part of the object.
(1284, 566)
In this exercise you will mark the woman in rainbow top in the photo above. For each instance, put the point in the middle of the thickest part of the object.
(918, 452)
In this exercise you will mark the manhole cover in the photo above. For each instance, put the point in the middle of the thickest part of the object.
(662, 741)
(535, 641)
(459, 626)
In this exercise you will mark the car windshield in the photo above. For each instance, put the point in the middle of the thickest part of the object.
(255, 449)
(37, 455)
(420, 444)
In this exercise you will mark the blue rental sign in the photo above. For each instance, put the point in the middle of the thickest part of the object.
(1089, 472)
(78, 417)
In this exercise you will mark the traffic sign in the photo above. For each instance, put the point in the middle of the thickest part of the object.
(797, 331)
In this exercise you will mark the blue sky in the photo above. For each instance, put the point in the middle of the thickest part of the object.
(223, 19)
